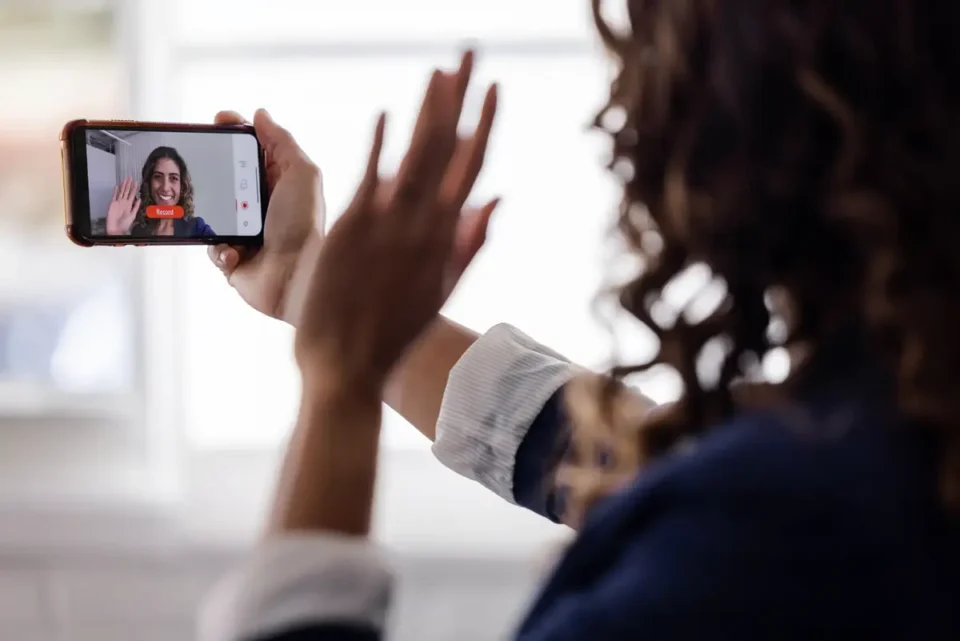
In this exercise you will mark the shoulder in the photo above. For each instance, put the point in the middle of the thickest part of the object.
(797, 460)
(199, 227)
(809, 455)
(785, 513)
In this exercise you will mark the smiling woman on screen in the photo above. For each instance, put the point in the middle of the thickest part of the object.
(165, 181)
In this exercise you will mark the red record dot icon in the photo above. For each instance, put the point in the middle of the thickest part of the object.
(244, 205)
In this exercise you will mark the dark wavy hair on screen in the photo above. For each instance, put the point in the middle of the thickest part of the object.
(805, 152)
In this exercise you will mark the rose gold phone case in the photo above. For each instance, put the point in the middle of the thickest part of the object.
(65, 158)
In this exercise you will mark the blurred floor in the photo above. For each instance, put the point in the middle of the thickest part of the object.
(139, 598)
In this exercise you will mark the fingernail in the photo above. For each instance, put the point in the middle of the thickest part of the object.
(222, 258)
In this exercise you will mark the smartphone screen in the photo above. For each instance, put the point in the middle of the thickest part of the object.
(133, 184)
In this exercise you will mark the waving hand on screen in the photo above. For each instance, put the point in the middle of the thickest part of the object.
(123, 208)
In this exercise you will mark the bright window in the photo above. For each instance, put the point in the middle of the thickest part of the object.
(238, 24)
(72, 364)
(67, 336)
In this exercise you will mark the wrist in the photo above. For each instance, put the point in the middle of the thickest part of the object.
(332, 386)
(297, 278)
(328, 476)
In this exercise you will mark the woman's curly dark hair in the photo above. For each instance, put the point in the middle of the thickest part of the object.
(143, 226)
(806, 147)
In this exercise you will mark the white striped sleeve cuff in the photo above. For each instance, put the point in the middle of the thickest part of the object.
(296, 581)
(493, 394)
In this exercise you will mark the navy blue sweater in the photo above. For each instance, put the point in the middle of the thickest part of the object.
(196, 227)
(817, 521)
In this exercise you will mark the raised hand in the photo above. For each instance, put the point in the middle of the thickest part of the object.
(123, 208)
(274, 279)
(392, 259)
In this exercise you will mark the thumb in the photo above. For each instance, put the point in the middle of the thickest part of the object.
(225, 257)
(229, 118)
(471, 234)
(277, 141)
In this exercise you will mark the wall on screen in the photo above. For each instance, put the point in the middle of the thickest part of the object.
(102, 175)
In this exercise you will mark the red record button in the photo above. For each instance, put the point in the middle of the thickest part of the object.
(164, 211)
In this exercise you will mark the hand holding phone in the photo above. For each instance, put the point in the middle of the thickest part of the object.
(274, 279)
(271, 279)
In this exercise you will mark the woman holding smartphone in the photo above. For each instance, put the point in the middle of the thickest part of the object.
(165, 182)
(477, 397)
(805, 151)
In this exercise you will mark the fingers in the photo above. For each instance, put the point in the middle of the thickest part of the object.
(229, 118)
(225, 257)
(435, 134)
(463, 78)
(486, 213)
(128, 189)
(408, 182)
(371, 176)
(461, 82)
(468, 158)
(429, 154)
(448, 103)
(277, 142)
(471, 234)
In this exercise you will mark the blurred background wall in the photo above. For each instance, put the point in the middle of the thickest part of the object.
(143, 406)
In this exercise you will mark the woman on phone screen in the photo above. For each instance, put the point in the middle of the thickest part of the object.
(165, 180)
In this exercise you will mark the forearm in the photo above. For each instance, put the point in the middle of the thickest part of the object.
(334, 446)
(316, 575)
(298, 275)
(416, 388)
(503, 422)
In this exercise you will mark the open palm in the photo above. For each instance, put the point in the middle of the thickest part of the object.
(390, 262)
(123, 207)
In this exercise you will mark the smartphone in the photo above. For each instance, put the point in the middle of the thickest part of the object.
(149, 183)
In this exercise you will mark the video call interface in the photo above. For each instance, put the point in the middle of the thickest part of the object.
(168, 183)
